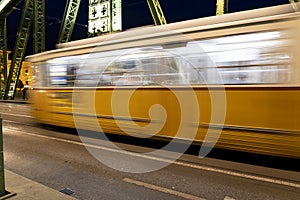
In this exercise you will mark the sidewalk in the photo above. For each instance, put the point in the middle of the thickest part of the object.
(21, 188)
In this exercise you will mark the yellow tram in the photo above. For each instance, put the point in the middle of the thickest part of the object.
(248, 62)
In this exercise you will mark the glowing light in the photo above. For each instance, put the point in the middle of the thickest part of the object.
(105, 16)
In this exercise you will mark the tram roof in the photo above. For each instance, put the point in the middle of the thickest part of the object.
(237, 18)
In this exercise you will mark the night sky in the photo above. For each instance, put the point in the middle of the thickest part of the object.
(135, 13)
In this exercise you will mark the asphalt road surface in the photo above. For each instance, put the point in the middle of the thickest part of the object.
(97, 171)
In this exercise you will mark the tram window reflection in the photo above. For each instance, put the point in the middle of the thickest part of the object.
(58, 74)
(250, 58)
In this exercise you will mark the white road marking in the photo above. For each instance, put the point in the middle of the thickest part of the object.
(229, 198)
(211, 169)
(17, 115)
(162, 189)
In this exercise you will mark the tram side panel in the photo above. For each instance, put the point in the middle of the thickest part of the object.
(53, 107)
(261, 120)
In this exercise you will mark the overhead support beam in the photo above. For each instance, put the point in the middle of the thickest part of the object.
(157, 13)
(68, 22)
(222, 7)
(3, 55)
(39, 26)
(6, 6)
(19, 50)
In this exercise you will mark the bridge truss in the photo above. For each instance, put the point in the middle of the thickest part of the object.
(34, 13)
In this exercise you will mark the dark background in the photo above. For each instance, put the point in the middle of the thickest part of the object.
(135, 13)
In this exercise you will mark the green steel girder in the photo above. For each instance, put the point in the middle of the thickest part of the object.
(39, 26)
(222, 7)
(19, 50)
(6, 6)
(3, 55)
(68, 22)
(295, 5)
(157, 13)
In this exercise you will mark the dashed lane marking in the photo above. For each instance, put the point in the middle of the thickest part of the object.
(162, 189)
(211, 169)
(229, 198)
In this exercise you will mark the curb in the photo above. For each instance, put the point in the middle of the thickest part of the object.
(7, 196)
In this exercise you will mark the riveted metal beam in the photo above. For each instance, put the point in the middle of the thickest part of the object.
(3, 55)
(19, 50)
(68, 22)
(39, 26)
(6, 6)
(157, 13)
(222, 7)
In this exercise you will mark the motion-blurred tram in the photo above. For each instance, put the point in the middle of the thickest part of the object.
(243, 69)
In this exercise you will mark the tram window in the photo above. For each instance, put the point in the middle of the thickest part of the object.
(39, 75)
(58, 74)
(251, 58)
(71, 74)
(62, 71)
(129, 64)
